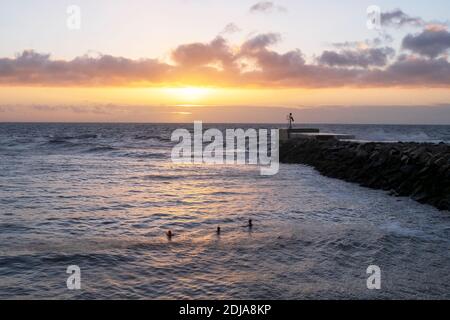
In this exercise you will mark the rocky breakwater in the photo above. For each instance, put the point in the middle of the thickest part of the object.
(417, 170)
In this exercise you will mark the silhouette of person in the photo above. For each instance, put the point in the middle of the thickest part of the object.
(291, 119)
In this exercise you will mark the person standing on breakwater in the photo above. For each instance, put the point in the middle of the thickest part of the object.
(291, 119)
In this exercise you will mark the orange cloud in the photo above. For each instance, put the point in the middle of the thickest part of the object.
(217, 63)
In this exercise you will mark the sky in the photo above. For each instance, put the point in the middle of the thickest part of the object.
(224, 61)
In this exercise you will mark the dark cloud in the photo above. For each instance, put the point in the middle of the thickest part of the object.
(261, 41)
(30, 68)
(397, 18)
(410, 71)
(197, 54)
(230, 29)
(266, 7)
(357, 58)
(430, 43)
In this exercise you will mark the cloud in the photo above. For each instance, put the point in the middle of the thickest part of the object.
(198, 54)
(261, 41)
(230, 29)
(5, 108)
(397, 18)
(252, 64)
(432, 42)
(382, 39)
(411, 71)
(30, 68)
(436, 27)
(363, 114)
(266, 7)
(92, 109)
(357, 58)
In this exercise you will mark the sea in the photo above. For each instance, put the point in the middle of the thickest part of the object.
(101, 197)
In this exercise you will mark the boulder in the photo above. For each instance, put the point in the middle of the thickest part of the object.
(418, 170)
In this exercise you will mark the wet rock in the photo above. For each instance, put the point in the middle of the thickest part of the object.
(418, 170)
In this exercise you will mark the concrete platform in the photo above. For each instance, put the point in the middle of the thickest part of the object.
(304, 130)
(311, 133)
(322, 136)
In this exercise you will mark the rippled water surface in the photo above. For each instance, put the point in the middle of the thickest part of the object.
(102, 197)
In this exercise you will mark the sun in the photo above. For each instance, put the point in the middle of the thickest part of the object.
(189, 94)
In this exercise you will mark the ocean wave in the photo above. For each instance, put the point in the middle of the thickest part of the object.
(58, 140)
(144, 155)
(13, 228)
(74, 137)
(79, 147)
(163, 177)
(417, 136)
(152, 137)
(100, 149)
